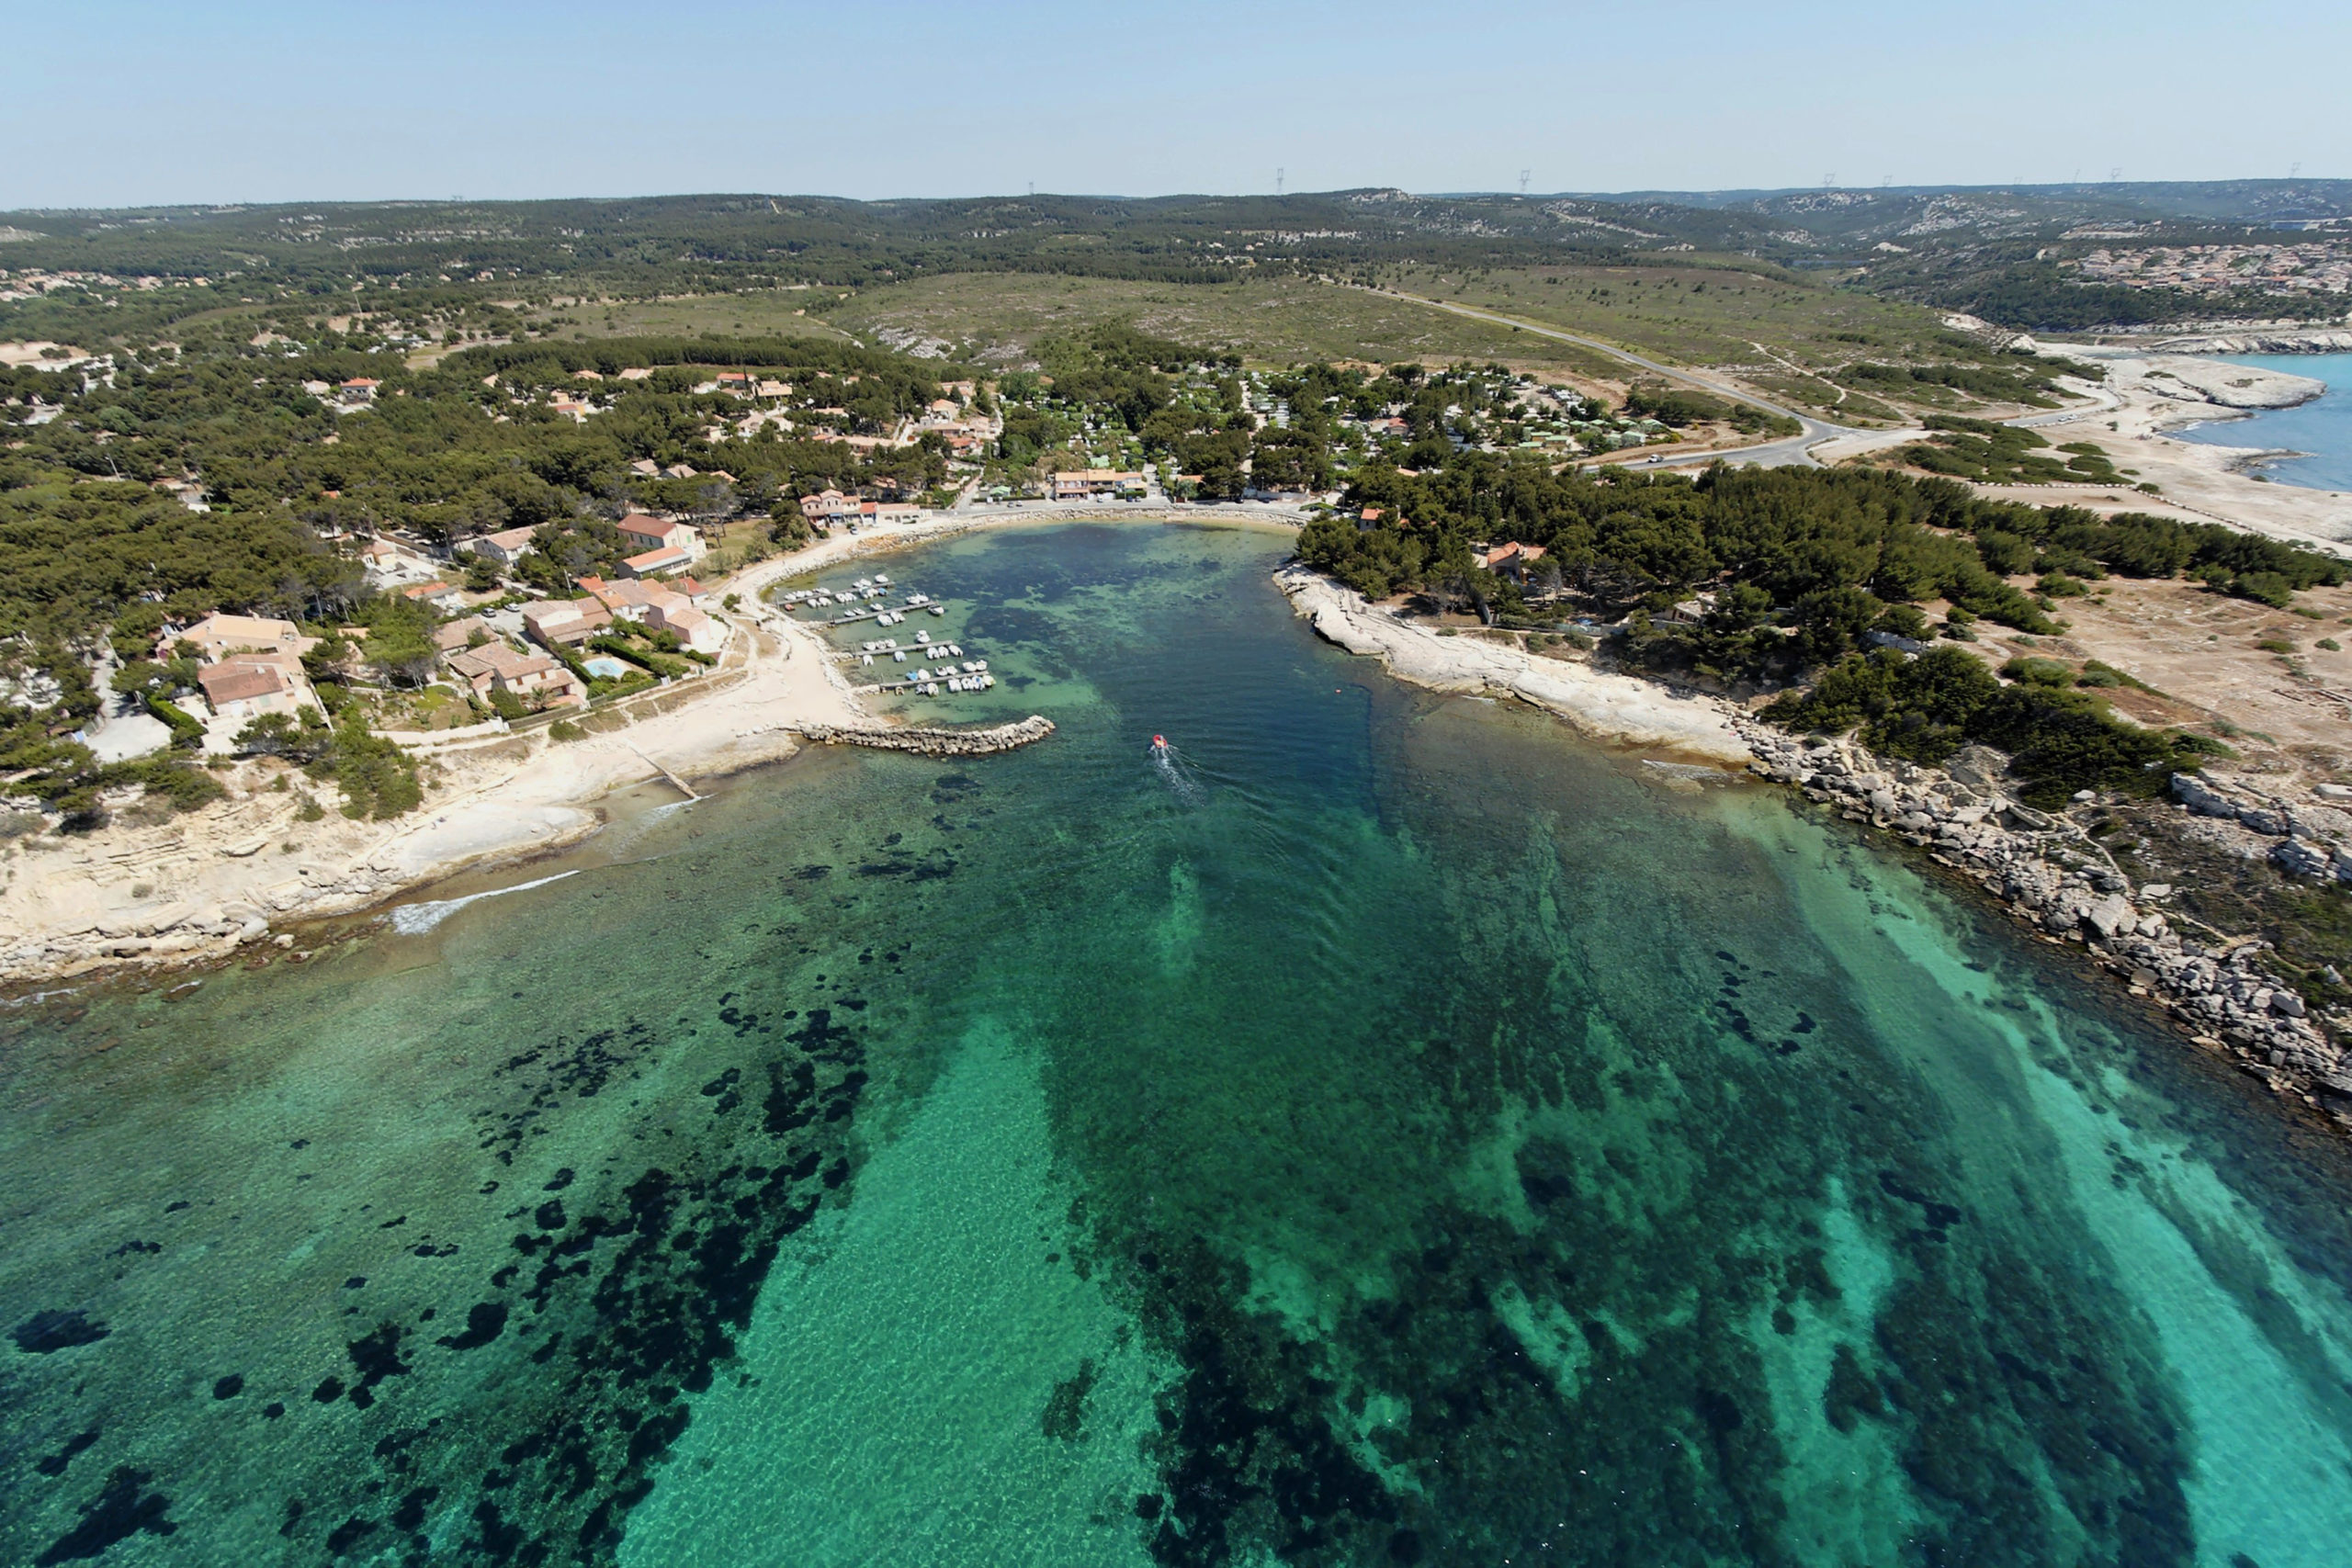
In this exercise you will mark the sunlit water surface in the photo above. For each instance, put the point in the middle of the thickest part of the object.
(2321, 430)
(1389, 1131)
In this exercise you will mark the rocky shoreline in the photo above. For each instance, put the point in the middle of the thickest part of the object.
(2258, 341)
(2049, 873)
(2041, 868)
(931, 742)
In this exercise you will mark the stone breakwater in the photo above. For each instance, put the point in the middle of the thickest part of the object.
(2049, 874)
(933, 743)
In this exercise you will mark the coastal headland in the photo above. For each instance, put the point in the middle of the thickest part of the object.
(2042, 868)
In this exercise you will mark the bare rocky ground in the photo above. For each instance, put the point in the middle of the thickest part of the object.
(2203, 653)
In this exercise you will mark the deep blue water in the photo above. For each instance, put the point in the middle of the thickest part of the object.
(2322, 428)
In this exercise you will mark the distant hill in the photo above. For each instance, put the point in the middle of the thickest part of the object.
(2011, 253)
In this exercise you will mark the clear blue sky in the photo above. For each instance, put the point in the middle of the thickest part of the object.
(116, 103)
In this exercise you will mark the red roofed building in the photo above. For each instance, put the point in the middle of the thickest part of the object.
(495, 666)
(827, 505)
(1075, 484)
(1511, 561)
(655, 534)
(238, 682)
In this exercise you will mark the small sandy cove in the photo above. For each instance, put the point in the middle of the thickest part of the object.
(207, 883)
(2130, 416)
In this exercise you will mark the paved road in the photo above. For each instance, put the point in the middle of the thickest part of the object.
(1796, 451)
(2108, 402)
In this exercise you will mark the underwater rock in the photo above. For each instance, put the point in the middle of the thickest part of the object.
(46, 1333)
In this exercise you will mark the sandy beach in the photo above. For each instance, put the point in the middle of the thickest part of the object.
(2146, 397)
(207, 883)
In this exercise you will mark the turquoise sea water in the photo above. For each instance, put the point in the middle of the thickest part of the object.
(2322, 428)
(1392, 1132)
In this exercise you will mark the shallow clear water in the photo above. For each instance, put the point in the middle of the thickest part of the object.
(2322, 427)
(1388, 1132)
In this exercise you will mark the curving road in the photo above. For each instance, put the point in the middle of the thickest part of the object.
(1795, 451)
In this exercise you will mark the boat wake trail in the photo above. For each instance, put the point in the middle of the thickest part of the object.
(1184, 782)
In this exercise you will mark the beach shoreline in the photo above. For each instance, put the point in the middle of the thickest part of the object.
(217, 883)
(2040, 869)
(1602, 705)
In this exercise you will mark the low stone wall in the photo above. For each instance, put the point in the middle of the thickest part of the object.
(934, 742)
(2049, 873)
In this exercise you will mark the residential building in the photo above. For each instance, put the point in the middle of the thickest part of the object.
(656, 533)
(246, 686)
(358, 389)
(497, 667)
(652, 562)
(565, 622)
(506, 547)
(659, 605)
(242, 689)
(828, 506)
(1511, 561)
(187, 492)
(451, 636)
(1080, 484)
(703, 633)
(625, 600)
(220, 636)
(388, 563)
(435, 594)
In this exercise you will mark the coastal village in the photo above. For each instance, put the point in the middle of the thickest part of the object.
(695, 571)
(1280, 871)
(2317, 267)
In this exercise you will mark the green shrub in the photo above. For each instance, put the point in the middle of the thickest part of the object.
(378, 778)
(564, 729)
(1902, 620)
(187, 731)
(1923, 709)
(2038, 671)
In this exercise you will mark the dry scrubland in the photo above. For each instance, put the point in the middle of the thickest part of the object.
(2205, 652)
(1698, 314)
(1275, 321)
